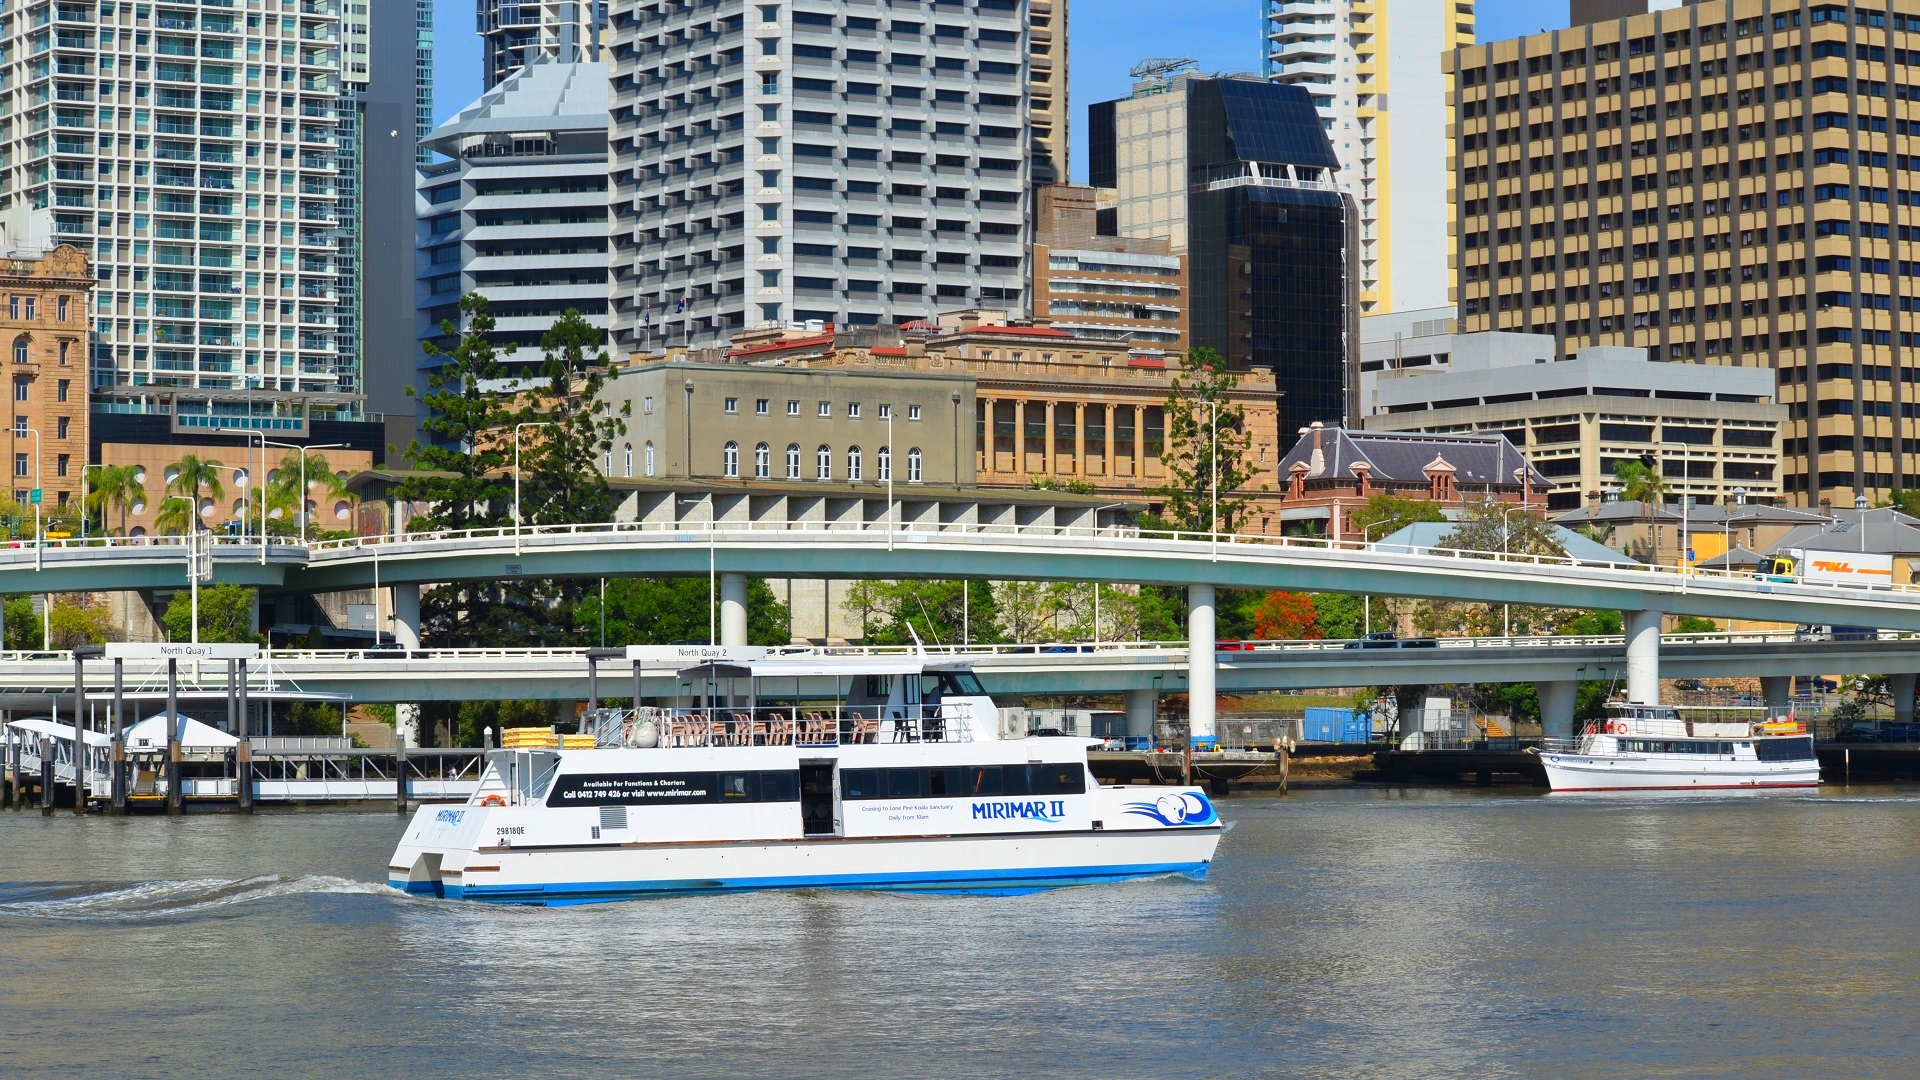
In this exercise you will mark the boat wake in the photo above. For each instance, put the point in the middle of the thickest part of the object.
(173, 899)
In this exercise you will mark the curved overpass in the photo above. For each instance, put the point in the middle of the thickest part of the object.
(814, 550)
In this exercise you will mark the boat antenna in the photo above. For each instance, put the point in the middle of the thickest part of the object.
(918, 647)
(931, 629)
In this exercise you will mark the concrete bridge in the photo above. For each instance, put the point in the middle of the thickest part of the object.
(904, 546)
(1139, 670)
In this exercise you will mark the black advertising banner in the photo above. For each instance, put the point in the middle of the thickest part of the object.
(632, 789)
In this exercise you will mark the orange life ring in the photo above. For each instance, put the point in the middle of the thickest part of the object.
(1618, 727)
(493, 800)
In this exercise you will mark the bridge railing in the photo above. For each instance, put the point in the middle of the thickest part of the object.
(911, 532)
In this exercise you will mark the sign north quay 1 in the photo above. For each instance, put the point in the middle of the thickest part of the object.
(160, 650)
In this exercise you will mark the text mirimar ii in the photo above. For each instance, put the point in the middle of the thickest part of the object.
(885, 773)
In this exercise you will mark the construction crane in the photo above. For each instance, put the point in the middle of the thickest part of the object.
(1162, 67)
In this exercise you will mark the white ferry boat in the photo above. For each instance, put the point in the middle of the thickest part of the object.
(1660, 747)
(847, 773)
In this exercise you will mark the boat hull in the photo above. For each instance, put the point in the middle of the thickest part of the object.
(1605, 772)
(988, 864)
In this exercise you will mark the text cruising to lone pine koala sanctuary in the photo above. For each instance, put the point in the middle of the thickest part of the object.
(799, 771)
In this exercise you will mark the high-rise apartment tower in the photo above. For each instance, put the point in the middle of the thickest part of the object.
(515, 33)
(1051, 111)
(1718, 183)
(846, 162)
(1374, 70)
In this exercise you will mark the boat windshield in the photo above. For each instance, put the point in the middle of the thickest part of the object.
(961, 684)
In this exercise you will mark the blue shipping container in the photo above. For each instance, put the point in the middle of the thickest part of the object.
(1330, 725)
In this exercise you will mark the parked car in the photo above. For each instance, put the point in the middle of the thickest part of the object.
(1388, 640)
(1691, 686)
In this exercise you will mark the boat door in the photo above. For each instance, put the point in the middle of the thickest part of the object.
(819, 809)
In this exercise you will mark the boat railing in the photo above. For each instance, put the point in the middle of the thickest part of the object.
(786, 725)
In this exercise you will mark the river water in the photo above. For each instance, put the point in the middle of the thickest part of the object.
(1342, 933)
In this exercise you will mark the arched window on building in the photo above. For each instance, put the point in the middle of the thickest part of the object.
(793, 461)
(762, 462)
(20, 349)
(914, 459)
(649, 461)
(629, 459)
(730, 460)
(883, 464)
(853, 463)
(823, 463)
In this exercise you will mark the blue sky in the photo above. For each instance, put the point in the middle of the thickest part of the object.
(1107, 38)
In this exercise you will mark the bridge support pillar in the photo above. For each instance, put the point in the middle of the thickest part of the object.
(1142, 706)
(1200, 666)
(1902, 687)
(1556, 708)
(733, 609)
(1643, 657)
(1776, 689)
(406, 616)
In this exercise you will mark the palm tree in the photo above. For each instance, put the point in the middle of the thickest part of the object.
(1645, 485)
(116, 486)
(188, 477)
(285, 502)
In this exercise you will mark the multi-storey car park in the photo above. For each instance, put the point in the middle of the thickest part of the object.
(850, 162)
(193, 150)
(1718, 183)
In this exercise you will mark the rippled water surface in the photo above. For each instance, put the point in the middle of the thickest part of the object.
(1349, 933)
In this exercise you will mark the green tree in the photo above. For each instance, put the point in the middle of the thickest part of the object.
(463, 465)
(115, 487)
(187, 479)
(1383, 515)
(286, 502)
(1906, 500)
(662, 611)
(1492, 530)
(226, 614)
(1208, 449)
(1640, 482)
(941, 612)
(1591, 624)
(561, 460)
(24, 628)
(1695, 624)
(76, 622)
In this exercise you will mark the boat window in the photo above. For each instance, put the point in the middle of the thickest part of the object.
(961, 684)
(859, 783)
(944, 781)
(1062, 779)
(903, 783)
(1783, 749)
(673, 789)
(982, 780)
(879, 686)
(779, 787)
(1014, 780)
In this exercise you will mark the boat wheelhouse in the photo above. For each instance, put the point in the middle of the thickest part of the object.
(1663, 747)
(801, 772)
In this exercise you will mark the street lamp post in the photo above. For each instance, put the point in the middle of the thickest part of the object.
(39, 537)
(1366, 602)
(258, 486)
(1213, 486)
(83, 501)
(1096, 585)
(193, 560)
(516, 478)
(301, 504)
(712, 574)
(1506, 532)
(1686, 535)
(893, 511)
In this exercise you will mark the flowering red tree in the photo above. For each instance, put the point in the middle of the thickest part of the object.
(1286, 616)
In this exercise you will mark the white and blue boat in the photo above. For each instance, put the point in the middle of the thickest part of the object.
(809, 772)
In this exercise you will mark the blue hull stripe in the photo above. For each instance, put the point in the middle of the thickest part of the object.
(996, 882)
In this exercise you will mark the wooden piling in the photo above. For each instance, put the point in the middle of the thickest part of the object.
(176, 769)
(119, 778)
(10, 781)
(80, 778)
(243, 752)
(46, 776)
(399, 771)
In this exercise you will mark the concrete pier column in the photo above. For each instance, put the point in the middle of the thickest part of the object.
(733, 609)
(1556, 708)
(1142, 707)
(1902, 687)
(406, 616)
(1200, 665)
(1643, 657)
(1776, 689)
